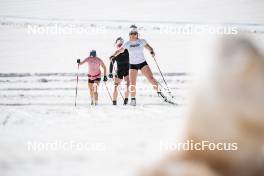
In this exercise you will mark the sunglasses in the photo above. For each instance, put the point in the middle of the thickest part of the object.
(119, 45)
(133, 33)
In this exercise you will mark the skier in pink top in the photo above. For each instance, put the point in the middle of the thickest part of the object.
(94, 74)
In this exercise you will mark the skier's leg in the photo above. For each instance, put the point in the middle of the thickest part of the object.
(96, 85)
(132, 82)
(126, 78)
(132, 86)
(127, 86)
(148, 74)
(91, 90)
(115, 94)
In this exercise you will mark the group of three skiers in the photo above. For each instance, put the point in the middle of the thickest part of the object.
(130, 59)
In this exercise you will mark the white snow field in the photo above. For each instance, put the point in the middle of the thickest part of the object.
(39, 109)
(42, 133)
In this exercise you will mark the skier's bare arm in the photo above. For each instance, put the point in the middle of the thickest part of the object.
(119, 51)
(104, 67)
(84, 61)
(151, 50)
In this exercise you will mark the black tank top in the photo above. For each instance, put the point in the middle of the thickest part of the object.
(122, 61)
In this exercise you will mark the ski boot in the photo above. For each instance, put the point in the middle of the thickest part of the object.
(133, 102)
(125, 101)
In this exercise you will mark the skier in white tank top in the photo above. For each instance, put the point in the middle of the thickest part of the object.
(137, 61)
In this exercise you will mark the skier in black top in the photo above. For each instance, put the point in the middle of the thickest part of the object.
(122, 71)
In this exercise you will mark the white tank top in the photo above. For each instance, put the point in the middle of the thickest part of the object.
(136, 51)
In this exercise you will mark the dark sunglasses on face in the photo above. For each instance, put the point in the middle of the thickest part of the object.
(133, 33)
(119, 45)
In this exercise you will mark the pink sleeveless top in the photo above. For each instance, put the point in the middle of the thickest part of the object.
(94, 64)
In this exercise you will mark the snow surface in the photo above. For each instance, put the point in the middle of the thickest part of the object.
(39, 108)
(37, 81)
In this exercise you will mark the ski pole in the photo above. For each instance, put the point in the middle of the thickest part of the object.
(108, 91)
(113, 80)
(162, 75)
(76, 89)
(163, 87)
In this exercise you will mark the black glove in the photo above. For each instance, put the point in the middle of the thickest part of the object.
(105, 78)
(78, 61)
(110, 75)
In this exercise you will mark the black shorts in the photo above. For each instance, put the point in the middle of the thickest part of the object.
(121, 73)
(93, 81)
(138, 66)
